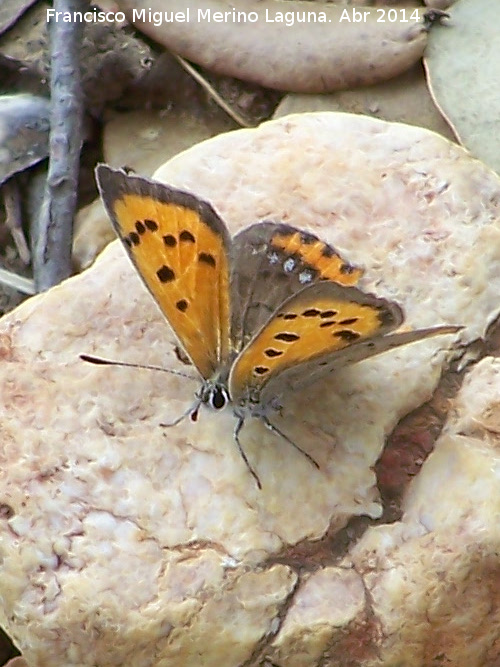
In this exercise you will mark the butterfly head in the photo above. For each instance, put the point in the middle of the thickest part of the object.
(214, 394)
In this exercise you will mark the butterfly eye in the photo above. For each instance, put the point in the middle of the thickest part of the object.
(218, 398)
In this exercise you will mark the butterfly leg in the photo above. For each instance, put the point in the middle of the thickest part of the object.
(192, 411)
(276, 430)
(236, 434)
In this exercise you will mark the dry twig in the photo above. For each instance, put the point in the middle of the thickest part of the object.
(13, 219)
(207, 86)
(53, 236)
(19, 283)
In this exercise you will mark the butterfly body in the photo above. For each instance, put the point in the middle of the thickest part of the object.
(259, 315)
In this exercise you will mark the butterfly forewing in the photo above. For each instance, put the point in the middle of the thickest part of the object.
(320, 321)
(180, 248)
(269, 263)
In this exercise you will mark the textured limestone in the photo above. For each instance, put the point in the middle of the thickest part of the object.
(124, 543)
(433, 577)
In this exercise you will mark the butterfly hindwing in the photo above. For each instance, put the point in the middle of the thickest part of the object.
(180, 248)
(309, 372)
(269, 263)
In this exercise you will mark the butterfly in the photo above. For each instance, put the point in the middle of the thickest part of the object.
(259, 315)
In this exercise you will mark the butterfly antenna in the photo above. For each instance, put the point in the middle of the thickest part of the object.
(99, 361)
(236, 434)
(190, 412)
(276, 430)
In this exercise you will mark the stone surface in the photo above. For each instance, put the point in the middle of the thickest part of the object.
(124, 543)
(432, 578)
(461, 55)
(404, 99)
(158, 136)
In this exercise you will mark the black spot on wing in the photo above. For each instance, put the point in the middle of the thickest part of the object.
(347, 335)
(152, 225)
(182, 305)
(140, 227)
(169, 240)
(287, 337)
(327, 251)
(186, 236)
(132, 239)
(207, 258)
(347, 268)
(271, 352)
(165, 274)
(307, 238)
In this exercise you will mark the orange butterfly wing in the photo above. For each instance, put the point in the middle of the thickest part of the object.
(320, 320)
(272, 261)
(321, 328)
(179, 246)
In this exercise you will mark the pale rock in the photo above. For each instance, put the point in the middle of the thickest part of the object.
(125, 543)
(328, 602)
(432, 578)
(92, 233)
